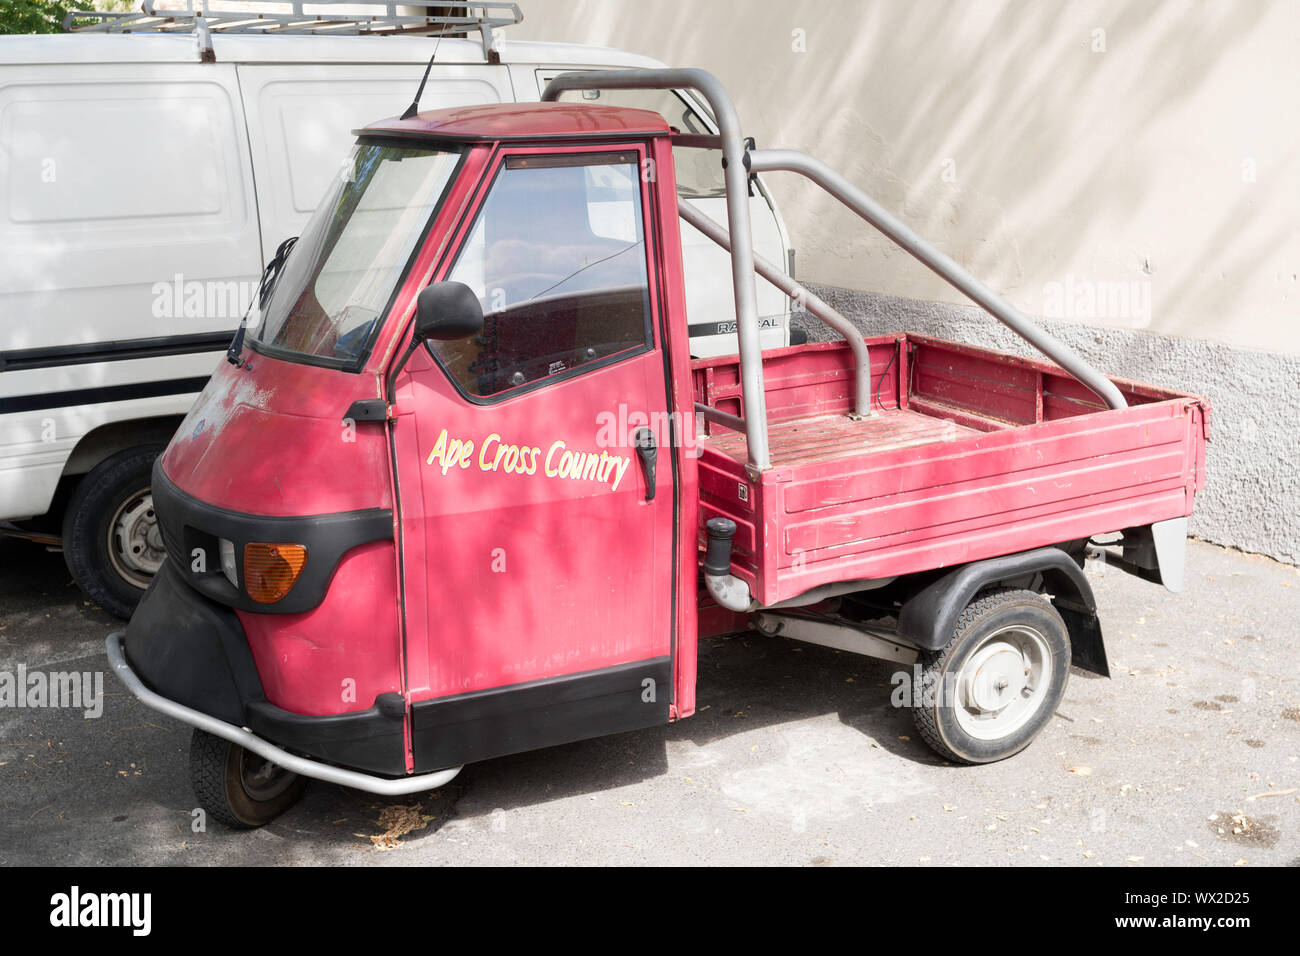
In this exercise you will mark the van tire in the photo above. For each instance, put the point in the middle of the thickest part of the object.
(218, 773)
(111, 494)
(974, 721)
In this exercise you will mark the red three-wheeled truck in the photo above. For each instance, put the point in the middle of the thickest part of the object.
(461, 491)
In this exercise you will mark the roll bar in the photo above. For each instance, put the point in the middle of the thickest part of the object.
(737, 163)
(771, 160)
(736, 175)
(812, 302)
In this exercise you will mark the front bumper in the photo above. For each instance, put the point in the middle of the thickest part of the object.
(386, 786)
(193, 651)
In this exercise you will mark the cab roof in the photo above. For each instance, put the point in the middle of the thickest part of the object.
(526, 121)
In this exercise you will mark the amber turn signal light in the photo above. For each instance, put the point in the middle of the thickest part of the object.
(271, 569)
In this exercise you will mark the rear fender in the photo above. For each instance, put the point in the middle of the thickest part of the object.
(929, 617)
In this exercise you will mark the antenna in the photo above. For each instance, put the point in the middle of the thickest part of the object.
(415, 103)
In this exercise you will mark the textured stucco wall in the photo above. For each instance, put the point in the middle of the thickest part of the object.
(1058, 149)
(1252, 494)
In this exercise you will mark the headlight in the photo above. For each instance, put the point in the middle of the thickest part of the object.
(227, 549)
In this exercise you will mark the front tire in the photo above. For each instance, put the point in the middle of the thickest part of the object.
(986, 694)
(111, 540)
(237, 787)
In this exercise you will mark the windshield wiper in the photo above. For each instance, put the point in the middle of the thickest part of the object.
(269, 275)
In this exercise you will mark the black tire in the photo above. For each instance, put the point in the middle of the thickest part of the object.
(113, 581)
(220, 773)
(997, 625)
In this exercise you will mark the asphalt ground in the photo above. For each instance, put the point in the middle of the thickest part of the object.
(1189, 755)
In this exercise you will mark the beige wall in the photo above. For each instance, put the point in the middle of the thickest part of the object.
(1161, 175)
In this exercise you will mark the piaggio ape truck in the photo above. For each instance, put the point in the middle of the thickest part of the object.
(461, 491)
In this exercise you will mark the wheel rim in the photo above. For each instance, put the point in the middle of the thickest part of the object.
(261, 779)
(1003, 683)
(135, 544)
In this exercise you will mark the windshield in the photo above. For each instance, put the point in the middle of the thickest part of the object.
(344, 268)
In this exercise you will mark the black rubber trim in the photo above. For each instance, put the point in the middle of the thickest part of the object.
(367, 410)
(190, 649)
(101, 395)
(122, 350)
(193, 651)
(929, 617)
(367, 740)
(188, 524)
(450, 731)
(562, 160)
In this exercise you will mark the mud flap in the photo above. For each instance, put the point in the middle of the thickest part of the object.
(1087, 650)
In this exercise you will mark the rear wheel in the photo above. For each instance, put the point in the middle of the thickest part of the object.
(236, 786)
(111, 540)
(988, 692)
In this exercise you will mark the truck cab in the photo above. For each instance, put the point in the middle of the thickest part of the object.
(462, 491)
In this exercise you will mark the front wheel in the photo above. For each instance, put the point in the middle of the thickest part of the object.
(236, 786)
(988, 692)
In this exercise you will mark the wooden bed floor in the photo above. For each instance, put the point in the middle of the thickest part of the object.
(826, 437)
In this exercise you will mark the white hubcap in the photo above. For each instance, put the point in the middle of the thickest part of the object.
(1003, 683)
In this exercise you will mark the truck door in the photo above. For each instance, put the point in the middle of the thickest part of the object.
(537, 539)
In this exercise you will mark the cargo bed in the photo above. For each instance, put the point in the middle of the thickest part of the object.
(969, 453)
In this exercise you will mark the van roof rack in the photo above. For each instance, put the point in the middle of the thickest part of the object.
(306, 17)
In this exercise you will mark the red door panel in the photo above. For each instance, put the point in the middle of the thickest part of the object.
(538, 572)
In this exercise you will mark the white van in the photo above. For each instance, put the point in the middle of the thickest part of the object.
(145, 180)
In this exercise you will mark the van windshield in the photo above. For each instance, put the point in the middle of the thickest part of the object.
(341, 274)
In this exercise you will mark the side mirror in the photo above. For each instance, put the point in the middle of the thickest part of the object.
(447, 311)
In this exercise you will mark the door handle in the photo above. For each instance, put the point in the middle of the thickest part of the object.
(648, 452)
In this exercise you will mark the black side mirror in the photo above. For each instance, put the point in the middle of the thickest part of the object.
(447, 311)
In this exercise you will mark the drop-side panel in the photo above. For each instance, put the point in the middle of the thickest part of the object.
(905, 491)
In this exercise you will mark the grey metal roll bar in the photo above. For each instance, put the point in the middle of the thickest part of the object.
(808, 299)
(736, 177)
(737, 163)
(771, 160)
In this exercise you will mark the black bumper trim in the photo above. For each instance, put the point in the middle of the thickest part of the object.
(361, 740)
(449, 731)
(189, 524)
(192, 650)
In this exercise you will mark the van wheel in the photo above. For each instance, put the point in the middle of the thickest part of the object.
(995, 685)
(111, 539)
(236, 786)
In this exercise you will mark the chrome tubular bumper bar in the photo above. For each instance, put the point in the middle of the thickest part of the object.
(384, 786)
